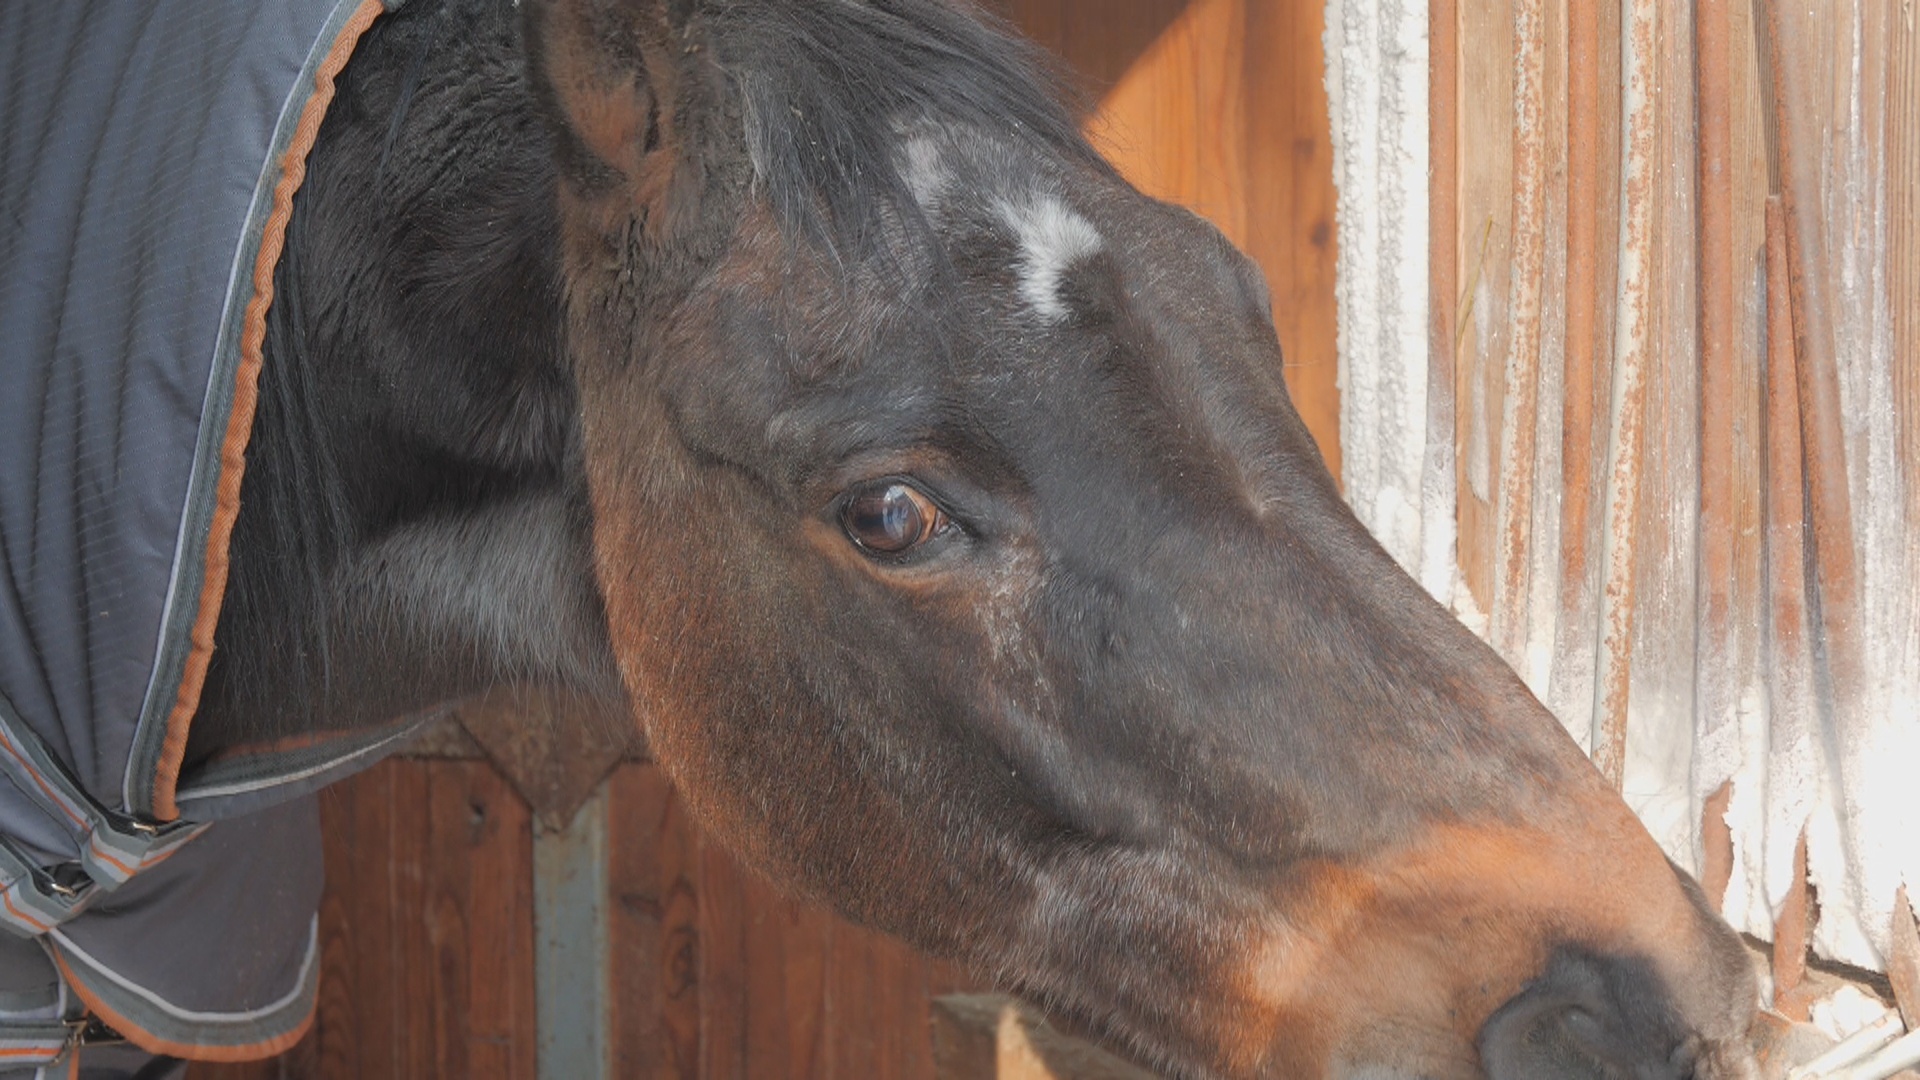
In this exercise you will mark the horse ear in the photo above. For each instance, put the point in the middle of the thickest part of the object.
(623, 91)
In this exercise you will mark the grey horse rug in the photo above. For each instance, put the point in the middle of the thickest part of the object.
(148, 158)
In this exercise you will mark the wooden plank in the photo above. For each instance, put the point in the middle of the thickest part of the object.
(1719, 390)
(1174, 121)
(1635, 321)
(1520, 382)
(653, 927)
(881, 993)
(1660, 670)
(426, 930)
(483, 814)
(1440, 502)
(1542, 550)
(1593, 213)
(1792, 931)
(1289, 200)
(1790, 685)
(1903, 960)
(1902, 141)
(1801, 98)
(1485, 160)
(783, 981)
(723, 966)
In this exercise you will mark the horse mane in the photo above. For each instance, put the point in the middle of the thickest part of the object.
(420, 288)
(828, 90)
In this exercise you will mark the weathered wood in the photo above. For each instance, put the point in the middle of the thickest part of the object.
(1519, 424)
(1902, 140)
(1592, 210)
(1635, 323)
(1719, 386)
(1716, 867)
(990, 1037)
(1438, 500)
(1903, 960)
(1485, 161)
(1800, 100)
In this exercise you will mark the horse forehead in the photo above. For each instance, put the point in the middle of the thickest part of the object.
(1050, 236)
(952, 171)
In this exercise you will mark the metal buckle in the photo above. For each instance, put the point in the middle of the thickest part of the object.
(65, 880)
(88, 1030)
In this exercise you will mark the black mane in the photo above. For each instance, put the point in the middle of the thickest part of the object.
(415, 379)
(826, 86)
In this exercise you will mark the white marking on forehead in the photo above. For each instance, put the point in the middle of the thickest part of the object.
(926, 173)
(1052, 238)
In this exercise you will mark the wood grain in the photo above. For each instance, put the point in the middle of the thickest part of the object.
(428, 943)
(1289, 194)
(1485, 157)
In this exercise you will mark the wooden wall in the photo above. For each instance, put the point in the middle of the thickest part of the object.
(1675, 275)
(429, 947)
(429, 926)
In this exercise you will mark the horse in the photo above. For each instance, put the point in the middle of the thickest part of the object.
(791, 380)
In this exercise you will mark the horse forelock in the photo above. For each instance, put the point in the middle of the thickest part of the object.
(830, 91)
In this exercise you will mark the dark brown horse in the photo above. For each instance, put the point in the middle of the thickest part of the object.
(790, 375)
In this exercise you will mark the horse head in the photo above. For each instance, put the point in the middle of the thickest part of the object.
(970, 570)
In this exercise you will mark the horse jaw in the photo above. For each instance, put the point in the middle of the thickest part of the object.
(1161, 737)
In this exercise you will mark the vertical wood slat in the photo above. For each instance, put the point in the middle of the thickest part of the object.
(1591, 207)
(1288, 190)
(1663, 669)
(1484, 158)
(1902, 140)
(1790, 684)
(1719, 390)
(426, 928)
(1527, 225)
(1635, 326)
(653, 928)
(428, 948)
(1794, 54)
(1438, 500)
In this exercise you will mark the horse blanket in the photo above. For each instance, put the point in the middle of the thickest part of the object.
(148, 158)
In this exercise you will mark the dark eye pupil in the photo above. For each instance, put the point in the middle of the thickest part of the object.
(890, 519)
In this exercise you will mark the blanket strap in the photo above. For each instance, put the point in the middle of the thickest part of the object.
(112, 846)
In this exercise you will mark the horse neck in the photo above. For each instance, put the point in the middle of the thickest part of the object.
(413, 527)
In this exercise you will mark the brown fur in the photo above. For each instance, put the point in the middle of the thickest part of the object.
(948, 748)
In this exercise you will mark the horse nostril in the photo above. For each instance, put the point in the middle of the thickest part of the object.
(1588, 1018)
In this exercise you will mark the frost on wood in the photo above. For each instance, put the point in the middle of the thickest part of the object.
(1799, 685)
(1377, 96)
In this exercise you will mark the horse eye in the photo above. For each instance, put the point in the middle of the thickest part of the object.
(892, 518)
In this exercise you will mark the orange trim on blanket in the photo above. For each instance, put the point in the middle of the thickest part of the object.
(233, 448)
(6, 897)
(154, 1044)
